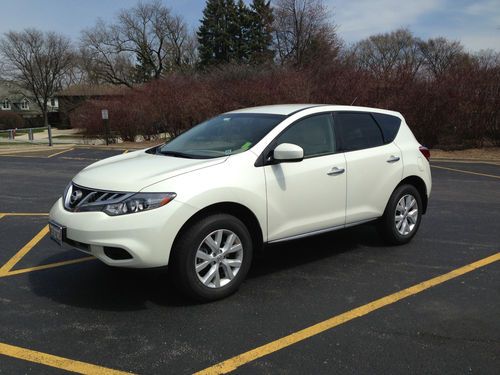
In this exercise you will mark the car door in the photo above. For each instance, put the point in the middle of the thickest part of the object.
(309, 195)
(374, 167)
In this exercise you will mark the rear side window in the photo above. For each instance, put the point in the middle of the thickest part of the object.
(389, 125)
(358, 130)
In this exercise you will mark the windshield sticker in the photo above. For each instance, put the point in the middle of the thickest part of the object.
(228, 152)
(246, 146)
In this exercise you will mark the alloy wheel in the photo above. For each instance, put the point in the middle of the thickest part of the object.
(406, 214)
(219, 258)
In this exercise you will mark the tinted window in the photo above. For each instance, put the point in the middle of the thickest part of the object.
(314, 134)
(389, 125)
(358, 131)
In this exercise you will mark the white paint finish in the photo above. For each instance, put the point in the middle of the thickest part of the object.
(277, 109)
(409, 148)
(288, 151)
(235, 181)
(302, 197)
(133, 171)
(371, 180)
(147, 236)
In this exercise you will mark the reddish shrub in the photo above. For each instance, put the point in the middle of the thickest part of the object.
(458, 109)
(9, 120)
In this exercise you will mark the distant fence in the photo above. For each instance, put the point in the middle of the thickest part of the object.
(23, 135)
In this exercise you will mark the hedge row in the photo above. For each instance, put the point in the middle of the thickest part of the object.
(459, 109)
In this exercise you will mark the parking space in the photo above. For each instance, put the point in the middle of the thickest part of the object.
(340, 302)
(61, 152)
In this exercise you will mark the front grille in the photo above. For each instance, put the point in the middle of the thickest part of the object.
(79, 198)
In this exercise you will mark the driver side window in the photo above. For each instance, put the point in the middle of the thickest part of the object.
(314, 134)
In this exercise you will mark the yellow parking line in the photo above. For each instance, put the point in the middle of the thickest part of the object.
(21, 253)
(60, 152)
(47, 266)
(1, 216)
(261, 351)
(469, 172)
(23, 214)
(56, 361)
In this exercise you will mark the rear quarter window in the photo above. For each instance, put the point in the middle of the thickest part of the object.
(388, 124)
(358, 130)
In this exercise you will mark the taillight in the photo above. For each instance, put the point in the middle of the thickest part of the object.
(425, 151)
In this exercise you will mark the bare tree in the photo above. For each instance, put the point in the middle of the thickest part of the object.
(190, 57)
(488, 59)
(104, 59)
(440, 55)
(140, 45)
(390, 55)
(2, 69)
(82, 72)
(39, 61)
(302, 29)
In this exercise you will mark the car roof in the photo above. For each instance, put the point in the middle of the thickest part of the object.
(288, 109)
(276, 109)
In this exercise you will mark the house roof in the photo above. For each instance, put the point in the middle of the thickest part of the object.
(13, 92)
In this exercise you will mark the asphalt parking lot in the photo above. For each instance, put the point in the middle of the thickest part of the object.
(337, 303)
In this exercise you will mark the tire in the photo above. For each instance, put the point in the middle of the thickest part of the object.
(402, 203)
(198, 265)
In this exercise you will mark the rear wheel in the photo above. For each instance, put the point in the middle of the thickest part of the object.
(402, 215)
(212, 257)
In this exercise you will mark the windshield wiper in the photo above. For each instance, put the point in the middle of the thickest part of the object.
(176, 154)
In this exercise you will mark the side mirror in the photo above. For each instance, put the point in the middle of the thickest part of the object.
(288, 152)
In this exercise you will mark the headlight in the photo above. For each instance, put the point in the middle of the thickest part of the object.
(77, 198)
(138, 202)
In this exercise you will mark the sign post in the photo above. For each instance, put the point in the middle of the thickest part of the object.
(49, 131)
(105, 119)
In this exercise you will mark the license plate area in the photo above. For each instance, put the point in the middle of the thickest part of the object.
(57, 232)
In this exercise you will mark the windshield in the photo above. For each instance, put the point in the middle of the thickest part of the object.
(223, 135)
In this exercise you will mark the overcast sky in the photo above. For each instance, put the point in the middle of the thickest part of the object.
(475, 23)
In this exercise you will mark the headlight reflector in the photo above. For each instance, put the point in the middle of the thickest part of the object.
(138, 202)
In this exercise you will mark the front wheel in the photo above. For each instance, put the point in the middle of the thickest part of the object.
(212, 257)
(402, 215)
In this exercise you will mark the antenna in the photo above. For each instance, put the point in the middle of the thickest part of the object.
(356, 98)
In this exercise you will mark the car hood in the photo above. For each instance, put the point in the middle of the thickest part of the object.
(134, 171)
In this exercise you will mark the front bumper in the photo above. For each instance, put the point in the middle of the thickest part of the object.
(147, 236)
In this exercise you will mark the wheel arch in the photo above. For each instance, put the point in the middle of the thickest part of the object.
(419, 184)
(236, 209)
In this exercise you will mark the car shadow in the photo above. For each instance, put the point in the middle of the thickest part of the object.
(290, 254)
(94, 285)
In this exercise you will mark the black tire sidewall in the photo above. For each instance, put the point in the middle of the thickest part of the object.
(184, 253)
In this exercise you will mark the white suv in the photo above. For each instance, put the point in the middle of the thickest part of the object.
(205, 201)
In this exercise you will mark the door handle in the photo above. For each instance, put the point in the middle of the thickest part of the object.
(393, 159)
(335, 171)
